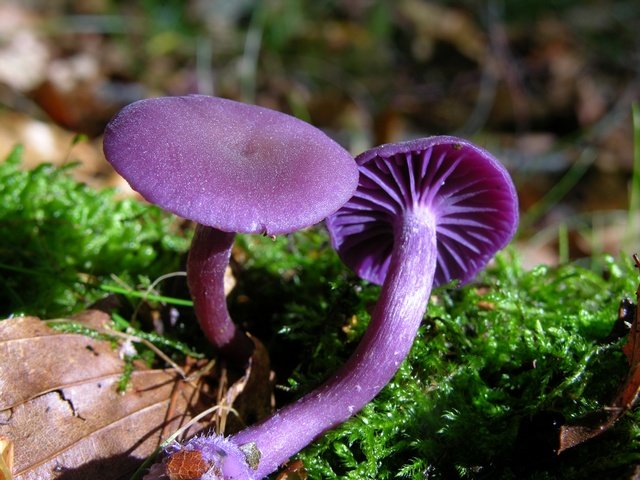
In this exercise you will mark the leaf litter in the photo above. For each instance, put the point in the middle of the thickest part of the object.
(68, 382)
(597, 422)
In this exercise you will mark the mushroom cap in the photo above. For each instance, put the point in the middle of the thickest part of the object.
(470, 194)
(229, 165)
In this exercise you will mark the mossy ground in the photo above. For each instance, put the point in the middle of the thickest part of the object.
(493, 363)
(61, 241)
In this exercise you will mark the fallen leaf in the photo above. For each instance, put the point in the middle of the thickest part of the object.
(251, 395)
(293, 471)
(628, 393)
(61, 409)
(595, 423)
(585, 428)
(434, 22)
(48, 143)
(6, 458)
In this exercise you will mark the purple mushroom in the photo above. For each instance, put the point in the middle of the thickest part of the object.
(425, 212)
(232, 168)
(456, 194)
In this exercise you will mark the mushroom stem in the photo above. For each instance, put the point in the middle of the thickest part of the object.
(206, 265)
(387, 341)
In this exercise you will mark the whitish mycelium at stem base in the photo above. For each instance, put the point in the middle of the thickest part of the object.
(425, 212)
(204, 458)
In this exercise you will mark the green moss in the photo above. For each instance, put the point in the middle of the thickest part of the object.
(61, 239)
(514, 348)
(493, 362)
(488, 357)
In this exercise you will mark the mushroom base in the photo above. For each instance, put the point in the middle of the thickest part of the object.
(394, 324)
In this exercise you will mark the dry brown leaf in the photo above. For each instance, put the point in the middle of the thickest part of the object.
(293, 471)
(61, 409)
(252, 394)
(595, 423)
(433, 21)
(45, 142)
(585, 428)
(6, 458)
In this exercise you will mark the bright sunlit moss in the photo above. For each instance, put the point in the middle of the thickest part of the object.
(61, 239)
(512, 349)
(488, 357)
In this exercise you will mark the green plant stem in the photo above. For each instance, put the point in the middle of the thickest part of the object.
(146, 296)
(630, 239)
(560, 189)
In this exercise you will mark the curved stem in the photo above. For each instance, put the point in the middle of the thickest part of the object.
(206, 265)
(387, 341)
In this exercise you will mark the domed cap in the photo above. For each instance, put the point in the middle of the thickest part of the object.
(468, 191)
(229, 165)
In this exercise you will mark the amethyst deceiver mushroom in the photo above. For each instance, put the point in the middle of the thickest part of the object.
(453, 192)
(425, 212)
(232, 168)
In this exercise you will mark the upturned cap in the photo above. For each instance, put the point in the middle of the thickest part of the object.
(469, 192)
(229, 165)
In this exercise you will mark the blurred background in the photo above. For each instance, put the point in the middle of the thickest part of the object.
(547, 86)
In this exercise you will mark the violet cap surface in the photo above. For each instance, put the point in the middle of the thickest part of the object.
(468, 191)
(229, 165)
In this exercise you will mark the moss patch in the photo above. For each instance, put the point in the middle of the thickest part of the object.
(496, 366)
(61, 240)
